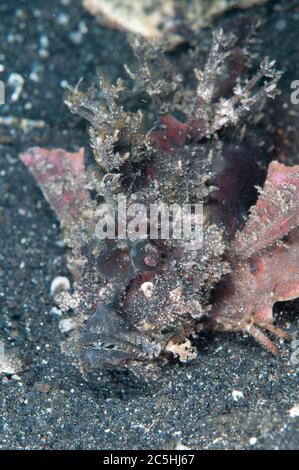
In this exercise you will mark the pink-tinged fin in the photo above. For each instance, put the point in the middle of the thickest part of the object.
(265, 260)
(257, 283)
(276, 212)
(61, 177)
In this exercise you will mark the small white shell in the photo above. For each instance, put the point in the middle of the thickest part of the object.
(147, 289)
(59, 284)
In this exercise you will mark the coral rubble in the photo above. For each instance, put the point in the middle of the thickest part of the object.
(161, 19)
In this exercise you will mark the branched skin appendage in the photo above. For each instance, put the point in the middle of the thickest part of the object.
(139, 302)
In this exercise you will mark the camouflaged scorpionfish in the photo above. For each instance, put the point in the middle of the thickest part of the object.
(139, 302)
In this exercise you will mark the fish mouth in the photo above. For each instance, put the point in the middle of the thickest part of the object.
(109, 342)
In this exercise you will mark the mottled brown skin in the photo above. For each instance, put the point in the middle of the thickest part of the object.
(138, 303)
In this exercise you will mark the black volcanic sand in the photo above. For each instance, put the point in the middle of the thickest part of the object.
(47, 404)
